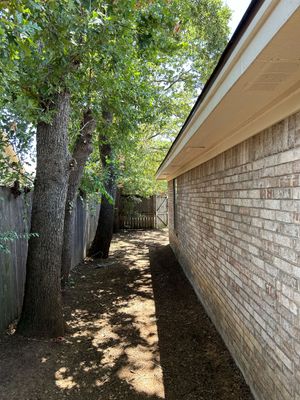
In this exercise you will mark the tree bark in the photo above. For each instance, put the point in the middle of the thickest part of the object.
(82, 150)
(42, 308)
(101, 243)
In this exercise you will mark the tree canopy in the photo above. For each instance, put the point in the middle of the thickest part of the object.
(101, 87)
(146, 60)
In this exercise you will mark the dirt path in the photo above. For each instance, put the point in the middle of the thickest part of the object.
(136, 331)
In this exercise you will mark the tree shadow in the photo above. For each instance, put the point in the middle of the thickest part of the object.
(135, 331)
(110, 349)
(195, 361)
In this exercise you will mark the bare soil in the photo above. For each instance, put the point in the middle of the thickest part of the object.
(135, 331)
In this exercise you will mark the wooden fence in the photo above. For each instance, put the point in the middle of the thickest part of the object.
(143, 213)
(137, 222)
(14, 216)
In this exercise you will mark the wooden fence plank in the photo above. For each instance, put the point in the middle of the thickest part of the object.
(13, 265)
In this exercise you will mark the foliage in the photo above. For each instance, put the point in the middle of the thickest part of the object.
(11, 236)
(176, 74)
(144, 60)
(137, 168)
(16, 150)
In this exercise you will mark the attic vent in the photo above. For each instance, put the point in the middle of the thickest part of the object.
(284, 67)
(263, 86)
(273, 74)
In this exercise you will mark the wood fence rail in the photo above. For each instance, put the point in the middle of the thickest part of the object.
(14, 216)
(142, 213)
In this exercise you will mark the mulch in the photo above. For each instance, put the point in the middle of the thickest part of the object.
(135, 331)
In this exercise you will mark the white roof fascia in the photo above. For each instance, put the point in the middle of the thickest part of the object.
(272, 15)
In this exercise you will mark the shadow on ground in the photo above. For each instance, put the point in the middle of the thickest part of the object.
(135, 331)
(195, 362)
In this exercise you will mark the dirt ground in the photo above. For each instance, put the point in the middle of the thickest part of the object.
(136, 331)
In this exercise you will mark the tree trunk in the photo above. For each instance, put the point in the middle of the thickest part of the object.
(42, 308)
(81, 152)
(101, 243)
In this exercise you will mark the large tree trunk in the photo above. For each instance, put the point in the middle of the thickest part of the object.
(101, 243)
(81, 152)
(42, 308)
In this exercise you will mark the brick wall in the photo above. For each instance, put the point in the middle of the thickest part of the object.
(238, 240)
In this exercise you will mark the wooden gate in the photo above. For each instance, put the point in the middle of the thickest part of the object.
(161, 211)
(143, 213)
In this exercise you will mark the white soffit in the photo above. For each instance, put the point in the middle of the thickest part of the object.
(258, 86)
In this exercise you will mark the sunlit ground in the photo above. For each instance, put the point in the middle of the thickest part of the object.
(125, 335)
(135, 331)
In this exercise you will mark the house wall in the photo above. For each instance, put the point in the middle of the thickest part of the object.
(238, 239)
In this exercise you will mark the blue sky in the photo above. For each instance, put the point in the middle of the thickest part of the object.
(238, 8)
